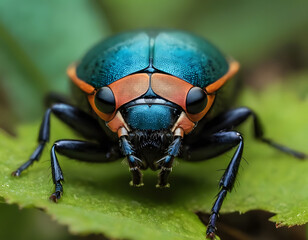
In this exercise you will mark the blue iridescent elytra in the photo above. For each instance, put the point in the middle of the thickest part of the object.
(177, 53)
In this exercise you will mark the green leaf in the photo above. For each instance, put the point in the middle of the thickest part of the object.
(98, 199)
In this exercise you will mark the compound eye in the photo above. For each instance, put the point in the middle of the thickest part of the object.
(104, 100)
(196, 100)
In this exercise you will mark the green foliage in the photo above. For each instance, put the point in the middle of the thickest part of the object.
(98, 199)
(38, 40)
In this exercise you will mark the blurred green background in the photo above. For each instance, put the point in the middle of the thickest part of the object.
(39, 39)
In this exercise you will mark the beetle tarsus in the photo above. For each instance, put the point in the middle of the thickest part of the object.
(34, 157)
(131, 183)
(211, 228)
(285, 149)
(163, 177)
(16, 173)
(136, 176)
(55, 196)
(210, 235)
(58, 192)
(133, 162)
(166, 162)
(164, 173)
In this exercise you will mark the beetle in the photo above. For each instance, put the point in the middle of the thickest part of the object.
(152, 96)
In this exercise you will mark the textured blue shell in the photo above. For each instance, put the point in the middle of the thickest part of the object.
(177, 53)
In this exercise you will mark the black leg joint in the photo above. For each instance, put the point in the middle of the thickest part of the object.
(57, 175)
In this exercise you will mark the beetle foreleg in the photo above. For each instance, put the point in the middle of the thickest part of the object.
(133, 162)
(80, 150)
(167, 161)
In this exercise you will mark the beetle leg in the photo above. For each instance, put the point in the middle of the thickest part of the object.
(80, 150)
(73, 117)
(167, 161)
(57, 176)
(232, 118)
(42, 139)
(133, 162)
(215, 145)
(227, 181)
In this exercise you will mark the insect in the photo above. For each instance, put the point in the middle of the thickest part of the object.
(151, 96)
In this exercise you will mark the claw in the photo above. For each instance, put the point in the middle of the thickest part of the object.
(134, 159)
(211, 236)
(210, 232)
(135, 164)
(55, 196)
(164, 160)
(163, 186)
(131, 183)
(165, 165)
(16, 173)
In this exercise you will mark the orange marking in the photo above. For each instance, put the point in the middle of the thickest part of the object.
(171, 88)
(125, 90)
(116, 123)
(175, 90)
(233, 68)
(129, 88)
(71, 72)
